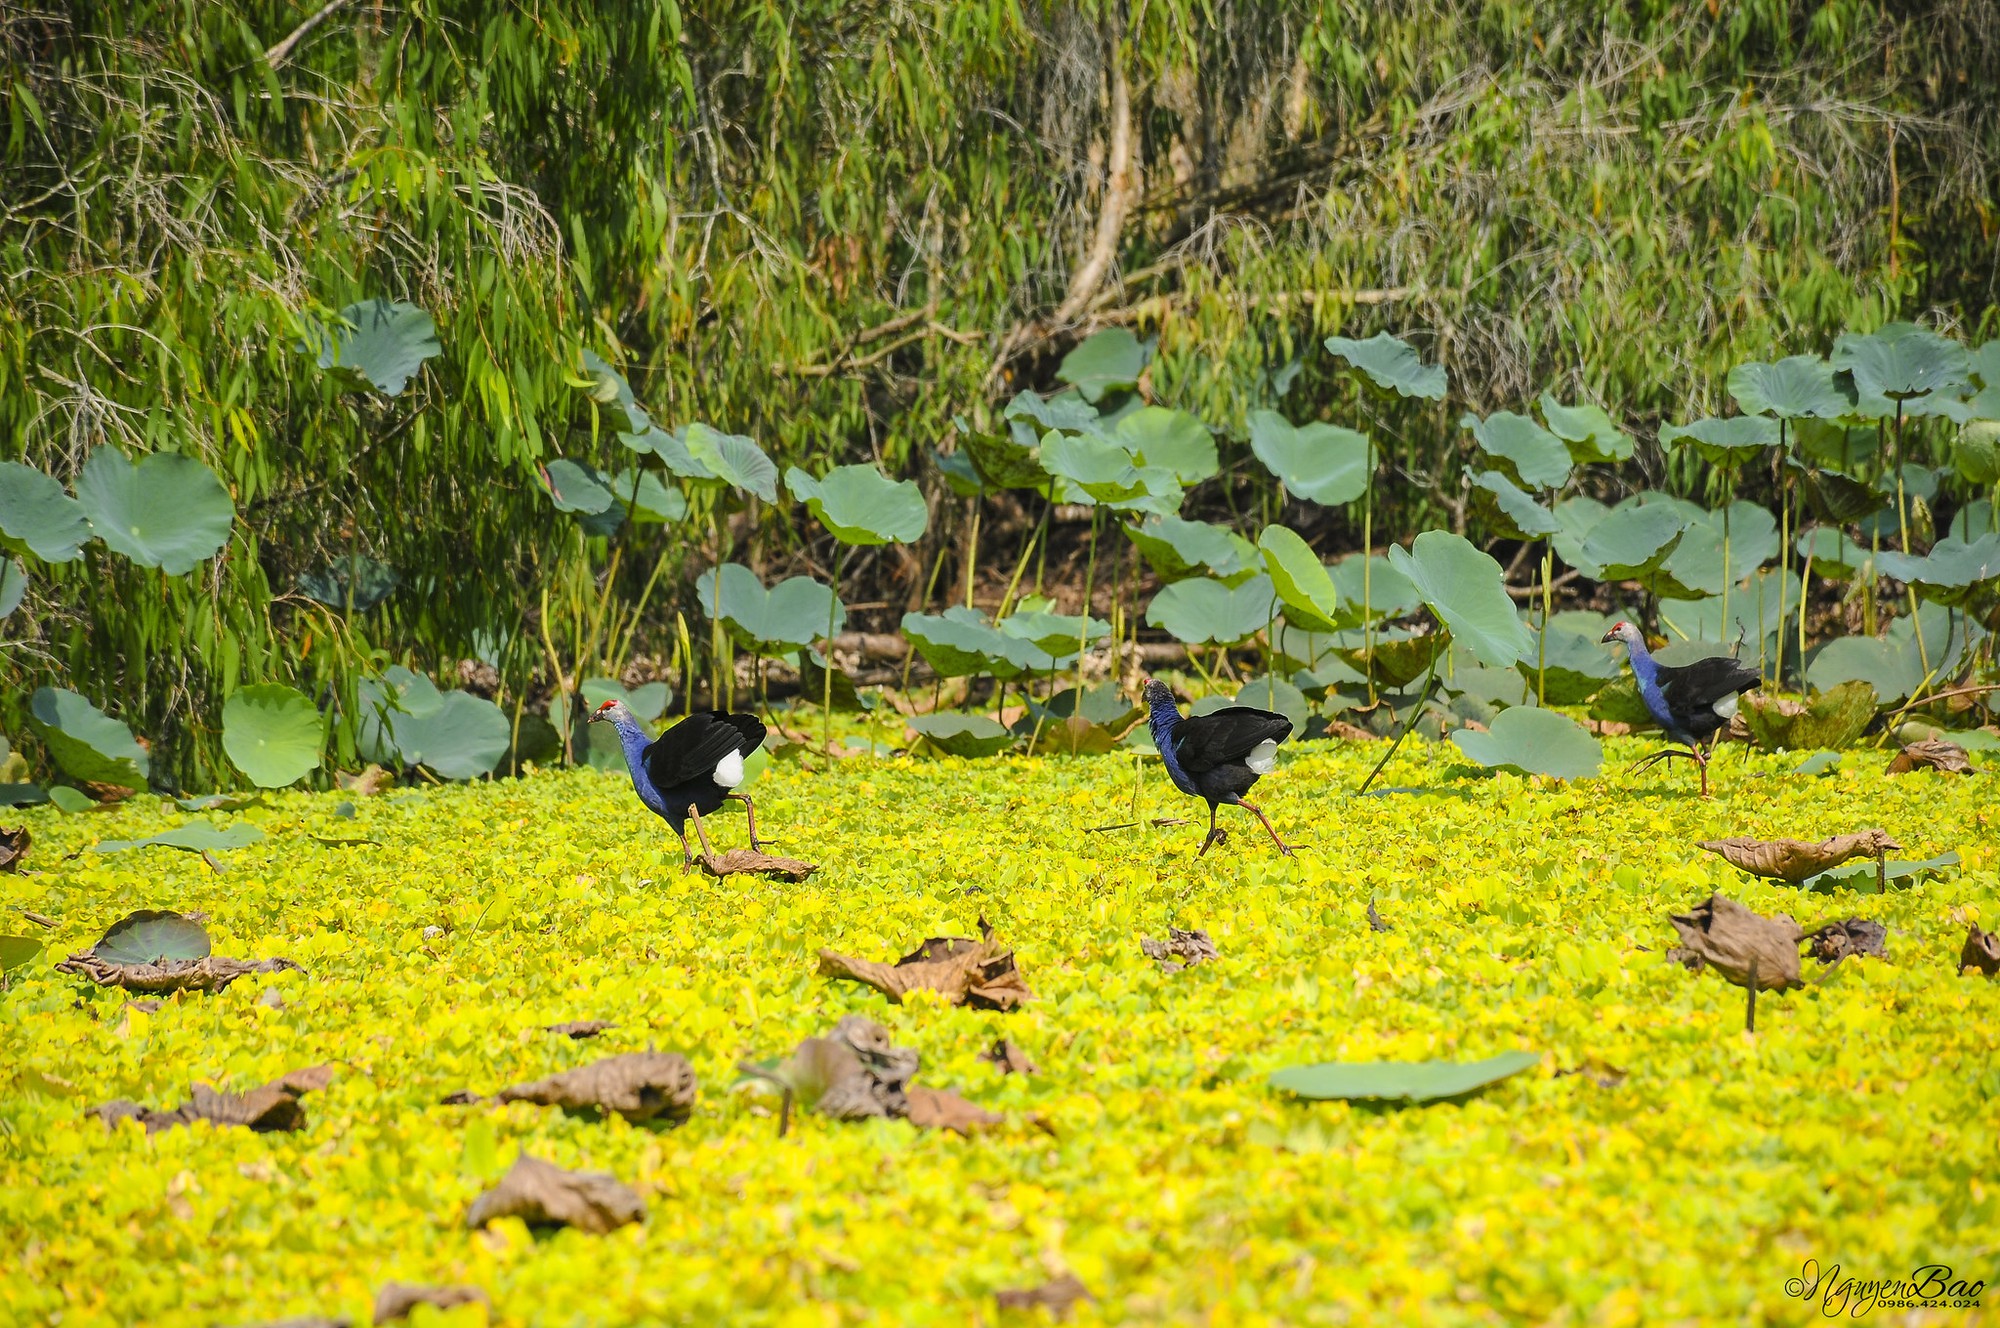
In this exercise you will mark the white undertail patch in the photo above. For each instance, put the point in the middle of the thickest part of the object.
(729, 771)
(1726, 707)
(1263, 758)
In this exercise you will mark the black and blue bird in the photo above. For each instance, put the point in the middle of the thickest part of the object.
(1692, 702)
(1217, 756)
(690, 770)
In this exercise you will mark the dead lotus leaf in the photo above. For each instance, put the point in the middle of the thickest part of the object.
(749, 862)
(275, 1106)
(1931, 754)
(1795, 860)
(1181, 949)
(1057, 1296)
(1010, 1058)
(640, 1086)
(1982, 951)
(209, 973)
(397, 1299)
(305, 1321)
(13, 848)
(366, 784)
(543, 1194)
(940, 1109)
(966, 972)
(1850, 938)
(1727, 937)
(579, 1028)
(852, 1073)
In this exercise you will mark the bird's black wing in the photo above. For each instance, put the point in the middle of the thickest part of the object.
(1223, 737)
(691, 749)
(752, 729)
(1693, 689)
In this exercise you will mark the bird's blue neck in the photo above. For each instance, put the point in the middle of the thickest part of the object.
(1162, 715)
(634, 740)
(1646, 670)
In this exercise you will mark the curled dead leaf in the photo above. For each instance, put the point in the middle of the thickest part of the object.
(579, 1028)
(966, 972)
(940, 1109)
(13, 848)
(275, 1106)
(1851, 938)
(748, 862)
(1057, 1296)
(366, 784)
(397, 1299)
(1981, 952)
(1796, 860)
(209, 973)
(1931, 754)
(852, 1073)
(1724, 935)
(1181, 949)
(544, 1194)
(1010, 1058)
(640, 1086)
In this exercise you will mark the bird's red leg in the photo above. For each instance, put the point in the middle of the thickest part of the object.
(1283, 847)
(750, 815)
(687, 858)
(1701, 763)
(707, 852)
(1215, 836)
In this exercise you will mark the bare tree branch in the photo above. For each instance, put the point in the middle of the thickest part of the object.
(282, 52)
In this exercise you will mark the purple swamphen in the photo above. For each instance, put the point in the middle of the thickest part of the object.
(1217, 756)
(1692, 702)
(691, 769)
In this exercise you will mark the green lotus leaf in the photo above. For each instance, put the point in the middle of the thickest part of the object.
(1103, 471)
(1174, 547)
(647, 702)
(1587, 431)
(960, 643)
(1465, 588)
(1392, 365)
(646, 498)
(1834, 718)
(1300, 580)
(1512, 512)
(1200, 611)
(1630, 543)
(1834, 554)
(1975, 453)
(88, 744)
(1753, 610)
(1268, 693)
(18, 951)
(151, 936)
(577, 488)
(861, 505)
(1572, 667)
(13, 586)
(1322, 463)
(960, 734)
(1104, 704)
(1797, 387)
(1698, 567)
(368, 581)
(1399, 1081)
(1385, 592)
(671, 447)
(1575, 519)
(272, 733)
(1492, 689)
(1067, 412)
(463, 738)
(1952, 572)
(784, 617)
(1728, 442)
(194, 837)
(1973, 520)
(384, 341)
(167, 511)
(1011, 460)
(1174, 439)
(1983, 368)
(609, 388)
(1902, 362)
(1893, 671)
(1055, 633)
(1864, 877)
(1537, 457)
(961, 476)
(1840, 499)
(731, 458)
(1393, 657)
(37, 515)
(1535, 741)
(1107, 361)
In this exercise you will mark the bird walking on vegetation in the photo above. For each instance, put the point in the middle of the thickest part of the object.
(1692, 702)
(690, 770)
(1217, 756)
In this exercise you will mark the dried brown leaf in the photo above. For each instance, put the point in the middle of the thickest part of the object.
(1982, 951)
(1850, 938)
(966, 972)
(1796, 860)
(1181, 949)
(1724, 935)
(209, 973)
(1057, 1296)
(748, 862)
(305, 1321)
(1931, 754)
(640, 1086)
(275, 1106)
(1010, 1058)
(397, 1299)
(939, 1109)
(579, 1028)
(854, 1072)
(544, 1194)
(13, 848)
(366, 784)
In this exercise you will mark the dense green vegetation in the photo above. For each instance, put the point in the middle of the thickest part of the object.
(854, 234)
